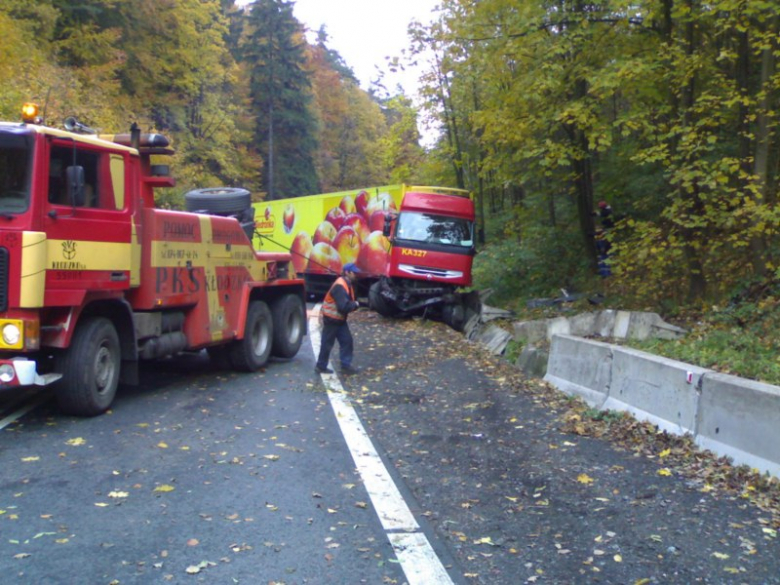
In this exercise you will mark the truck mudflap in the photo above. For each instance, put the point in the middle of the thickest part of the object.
(19, 372)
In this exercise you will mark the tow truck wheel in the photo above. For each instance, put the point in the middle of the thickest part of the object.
(253, 351)
(90, 369)
(289, 316)
(378, 303)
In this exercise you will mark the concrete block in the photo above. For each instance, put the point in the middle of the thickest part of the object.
(622, 322)
(494, 339)
(580, 367)
(532, 361)
(605, 323)
(530, 331)
(655, 389)
(558, 326)
(740, 418)
(583, 325)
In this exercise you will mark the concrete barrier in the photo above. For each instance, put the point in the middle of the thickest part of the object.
(581, 369)
(741, 419)
(655, 389)
(730, 416)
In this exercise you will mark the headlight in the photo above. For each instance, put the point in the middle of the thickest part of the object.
(11, 334)
(6, 373)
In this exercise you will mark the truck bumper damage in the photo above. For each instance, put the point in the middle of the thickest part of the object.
(19, 372)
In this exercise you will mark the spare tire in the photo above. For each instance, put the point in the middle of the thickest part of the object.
(218, 200)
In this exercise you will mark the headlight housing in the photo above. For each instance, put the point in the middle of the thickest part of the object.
(11, 334)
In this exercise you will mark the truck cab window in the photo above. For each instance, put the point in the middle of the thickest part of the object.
(14, 174)
(61, 158)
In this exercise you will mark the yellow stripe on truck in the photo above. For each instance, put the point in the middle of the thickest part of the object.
(209, 256)
(88, 255)
(33, 273)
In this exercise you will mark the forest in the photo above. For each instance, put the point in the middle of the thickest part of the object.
(666, 110)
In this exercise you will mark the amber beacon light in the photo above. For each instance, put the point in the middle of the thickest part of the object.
(31, 114)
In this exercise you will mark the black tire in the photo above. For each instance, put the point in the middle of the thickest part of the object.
(253, 351)
(219, 200)
(378, 303)
(90, 368)
(289, 314)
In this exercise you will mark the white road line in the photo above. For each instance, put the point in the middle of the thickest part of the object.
(13, 417)
(412, 548)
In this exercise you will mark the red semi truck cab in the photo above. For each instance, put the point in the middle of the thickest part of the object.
(94, 278)
(433, 238)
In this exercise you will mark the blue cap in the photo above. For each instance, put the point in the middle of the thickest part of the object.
(351, 267)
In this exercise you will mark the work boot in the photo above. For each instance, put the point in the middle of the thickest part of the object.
(321, 370)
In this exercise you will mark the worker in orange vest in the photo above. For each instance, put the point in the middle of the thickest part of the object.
(338, 303)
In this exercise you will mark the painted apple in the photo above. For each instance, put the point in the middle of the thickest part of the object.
(347, 205)
(325, 232)
(347, 244)
(336, 217)
(288, 218)
(358, 223)
(301, 250)
(377, 220)
(383, 201)
(324, 258)
(361, 203)
(373, 254)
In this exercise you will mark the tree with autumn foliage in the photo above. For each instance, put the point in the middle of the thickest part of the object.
(273, 53)
(665, 109)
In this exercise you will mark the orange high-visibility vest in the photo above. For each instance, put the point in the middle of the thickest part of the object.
(329, 308)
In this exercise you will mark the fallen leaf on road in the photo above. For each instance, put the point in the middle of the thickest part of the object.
(585, 478)
(164, 488)
(618, 558)
(29, 459)
(117, 494)
(721, 556)
(76, 442)
(665, 472)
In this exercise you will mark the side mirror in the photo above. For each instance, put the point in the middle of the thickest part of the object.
(75, 187)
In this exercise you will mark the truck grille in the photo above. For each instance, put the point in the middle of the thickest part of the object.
(3, 279)
(426, 271)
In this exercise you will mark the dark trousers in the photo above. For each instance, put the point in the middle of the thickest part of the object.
(332, 331)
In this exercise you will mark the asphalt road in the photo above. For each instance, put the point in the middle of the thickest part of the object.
(214, 477)
(194, 477)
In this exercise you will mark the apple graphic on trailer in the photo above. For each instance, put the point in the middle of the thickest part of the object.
(361, 203)
(336, 217)
(358, 223)
(325, 232)
(373, 253)
(383, 201)
(347, 244)
(347, 205)
(324, 258)
(288, 218)
(301, 250)
(377, 220)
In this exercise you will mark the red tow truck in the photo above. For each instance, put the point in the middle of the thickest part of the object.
(414, 245)
(94, 278)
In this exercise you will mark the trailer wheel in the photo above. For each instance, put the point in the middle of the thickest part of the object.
(289, 315)
(378, 303)
(253, 351)
(90, 369)
(218, 200)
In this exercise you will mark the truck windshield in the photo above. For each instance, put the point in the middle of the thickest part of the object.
(15, 173)
(434, 229)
